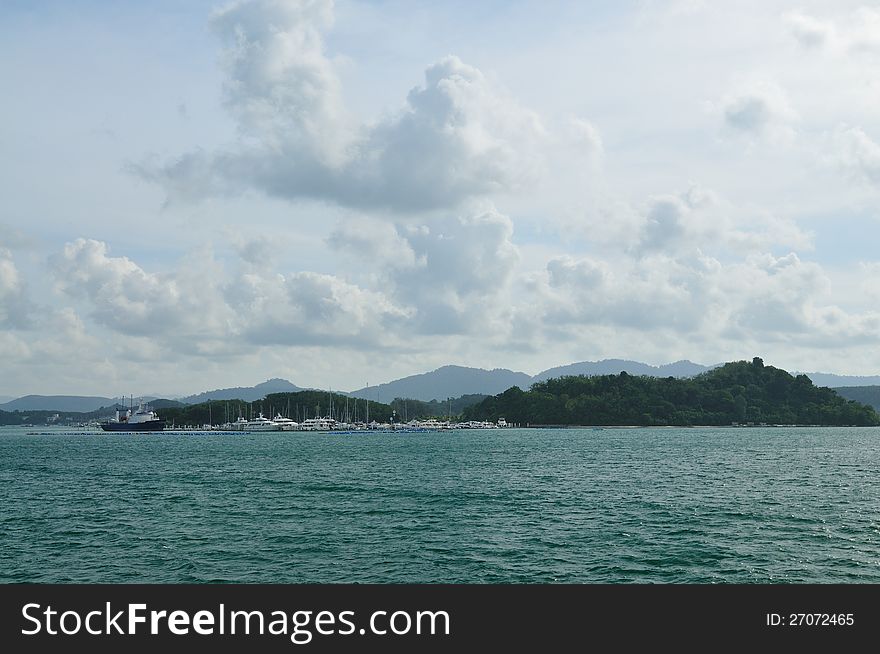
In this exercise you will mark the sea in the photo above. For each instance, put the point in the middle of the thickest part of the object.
(521, 506)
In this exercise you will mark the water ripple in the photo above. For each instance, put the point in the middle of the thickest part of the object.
(512, 506)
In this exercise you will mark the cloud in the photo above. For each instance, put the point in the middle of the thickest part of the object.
(375, 241)
(454, 272)
(280, 87)
(313, 309)
(15, 308)
(199, 308)
(666, 224)
(864, 34)
(786, 299)
(857, 32)
(457, 136)
(586, 138)
(809, 31)
(779, 296)
(179, 308)
(701, 220)
(856, 153)
(258, 251)
(760, 299)
(651, 293)
(759, 108)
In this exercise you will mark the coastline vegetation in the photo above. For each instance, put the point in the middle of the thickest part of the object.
(736, 393)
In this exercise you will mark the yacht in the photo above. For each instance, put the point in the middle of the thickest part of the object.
(318, 424)
(239, 425)
(285, 424)
(261, 423)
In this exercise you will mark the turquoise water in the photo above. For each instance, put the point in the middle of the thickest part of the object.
(520, 506)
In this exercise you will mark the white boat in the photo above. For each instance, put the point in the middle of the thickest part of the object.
(502, 422)
(318, 424)
(238, 425)
(261, 423)
(285, 424)
(141, 420)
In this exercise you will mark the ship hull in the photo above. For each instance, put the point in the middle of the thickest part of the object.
(149, 425)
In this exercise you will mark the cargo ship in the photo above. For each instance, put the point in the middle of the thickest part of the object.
(141, 420)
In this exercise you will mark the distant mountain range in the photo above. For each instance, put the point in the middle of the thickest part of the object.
(78, 403)
(445, 382)
(247, 393)
(833, 381)
(616, 366)
(439, 384)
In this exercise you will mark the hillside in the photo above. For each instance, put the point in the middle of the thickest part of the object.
(410, 409)
(616, 366)
(739, 392)
(297, 406)
(246, 393)
(869, 395)
(66, 403)
(44, 417)
(445, 382)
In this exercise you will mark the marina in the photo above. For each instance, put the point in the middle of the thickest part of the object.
(264, 425)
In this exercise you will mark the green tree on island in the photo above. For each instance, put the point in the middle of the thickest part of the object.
(735, 393)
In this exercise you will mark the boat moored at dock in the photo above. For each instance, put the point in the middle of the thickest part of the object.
(261, 423)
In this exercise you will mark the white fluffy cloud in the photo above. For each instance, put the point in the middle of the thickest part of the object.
(202, 308)
(760, 299)
(363, 189)
(657, 291)
(312, 309)
(457, 137)
(701, 220)
(454, 272)
(179, 308)
(280, 87)
(786, 299)
(856, 153)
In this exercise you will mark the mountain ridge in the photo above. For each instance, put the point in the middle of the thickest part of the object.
(67, 403)
(438, 384)
(247, 393)
(444, 382)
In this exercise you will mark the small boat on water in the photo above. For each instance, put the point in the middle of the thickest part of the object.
(141, 420)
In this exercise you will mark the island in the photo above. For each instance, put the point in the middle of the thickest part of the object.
(737, 393)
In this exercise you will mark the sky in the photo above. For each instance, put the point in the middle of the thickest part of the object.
(199, 195)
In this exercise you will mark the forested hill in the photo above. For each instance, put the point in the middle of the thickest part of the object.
(869, 395)
(740, 392)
